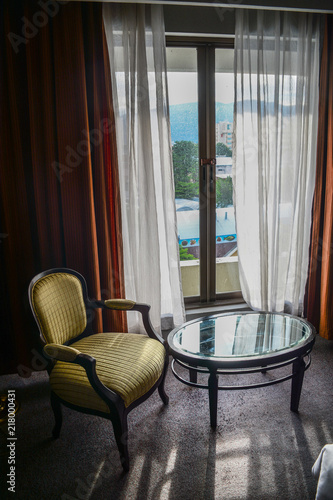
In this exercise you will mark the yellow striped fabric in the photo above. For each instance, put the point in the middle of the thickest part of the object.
(127, 363)
(121, 304)
(58, 303)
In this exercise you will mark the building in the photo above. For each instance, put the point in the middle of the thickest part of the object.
(224, 133)
(189, 231)
(223, 166)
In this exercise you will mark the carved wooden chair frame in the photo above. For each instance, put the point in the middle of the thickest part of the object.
(118, 411)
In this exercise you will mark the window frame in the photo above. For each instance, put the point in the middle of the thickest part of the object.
(206, 46)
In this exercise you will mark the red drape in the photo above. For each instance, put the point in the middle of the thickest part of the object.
(59, 184)
(320, 284)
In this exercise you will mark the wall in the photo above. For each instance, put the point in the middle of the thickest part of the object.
(216, 20)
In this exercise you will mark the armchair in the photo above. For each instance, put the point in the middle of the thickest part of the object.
(104, 374)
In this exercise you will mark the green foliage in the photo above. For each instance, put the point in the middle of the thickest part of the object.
(223, 150)
(224, 192)
(186, 173)
(187, 190)
(184, 255)
(186, 169)
(185, 161)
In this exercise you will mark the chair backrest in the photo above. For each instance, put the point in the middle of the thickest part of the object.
(57, 301)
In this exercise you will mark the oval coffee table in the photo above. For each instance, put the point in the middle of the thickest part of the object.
(238, 343)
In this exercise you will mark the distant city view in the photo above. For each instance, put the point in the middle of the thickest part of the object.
(187, 67)
(184, 136)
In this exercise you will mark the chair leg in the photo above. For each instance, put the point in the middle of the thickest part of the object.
(56, 407)
(161, 388)
(121, 435)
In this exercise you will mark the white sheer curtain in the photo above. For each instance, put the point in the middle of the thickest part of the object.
(136, 43)
(275, 134)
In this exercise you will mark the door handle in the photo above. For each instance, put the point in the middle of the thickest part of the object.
(204, 183)
(204, 163)
(211, 177)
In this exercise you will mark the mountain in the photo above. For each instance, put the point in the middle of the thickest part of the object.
(184, 119)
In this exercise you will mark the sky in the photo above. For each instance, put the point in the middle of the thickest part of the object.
(183, 87)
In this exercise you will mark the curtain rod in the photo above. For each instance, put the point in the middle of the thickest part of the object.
(226, 5)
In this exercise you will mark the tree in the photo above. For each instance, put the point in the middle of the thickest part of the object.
(184, 254)
(223, 150)
(187, 190)
(224, 192)
(185, 161)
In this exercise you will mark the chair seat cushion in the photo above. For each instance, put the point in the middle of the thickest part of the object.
(127, 363)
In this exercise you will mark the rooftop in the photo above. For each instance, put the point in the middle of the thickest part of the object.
(188, 225)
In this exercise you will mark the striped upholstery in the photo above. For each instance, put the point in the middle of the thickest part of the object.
(59, 306)
(128, 363)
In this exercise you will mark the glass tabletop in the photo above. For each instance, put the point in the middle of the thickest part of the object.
(241, 335)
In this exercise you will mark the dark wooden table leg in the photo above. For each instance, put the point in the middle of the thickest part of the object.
(213, 383)
(296, 384)
(193, 376)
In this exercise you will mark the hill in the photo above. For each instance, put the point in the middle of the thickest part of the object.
(184, 120)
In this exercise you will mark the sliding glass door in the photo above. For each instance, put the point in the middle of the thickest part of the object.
(200, 84)
(183, 101)
(227, 277)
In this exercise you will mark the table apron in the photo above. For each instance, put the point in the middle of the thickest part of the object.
(240, 371)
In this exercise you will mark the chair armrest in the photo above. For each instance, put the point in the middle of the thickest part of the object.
(144, 310)
(130, 305)
(61, 352)
(71, 355)
(119, 304)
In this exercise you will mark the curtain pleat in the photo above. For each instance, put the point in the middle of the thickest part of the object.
(275, 135)
(59, 181)
(136, 42)
(320, 283)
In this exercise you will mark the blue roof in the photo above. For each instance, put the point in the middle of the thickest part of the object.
(184, 205)
(188, 223)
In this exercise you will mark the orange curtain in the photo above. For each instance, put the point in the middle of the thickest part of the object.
(59, 189)
(320, 283)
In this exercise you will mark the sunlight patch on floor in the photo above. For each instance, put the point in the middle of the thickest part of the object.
(94, 480)
(226, 478)
(132, 486)
(266, 474)
(232, 445)
(327, 432)
(165, 491)
(171, 461)
(312, 438)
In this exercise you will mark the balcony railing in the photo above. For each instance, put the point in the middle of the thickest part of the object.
(227, 276)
